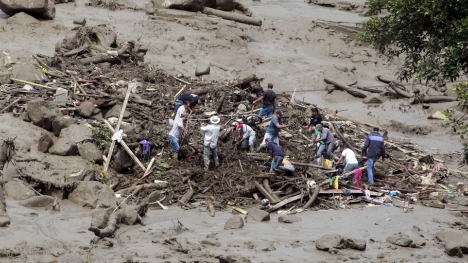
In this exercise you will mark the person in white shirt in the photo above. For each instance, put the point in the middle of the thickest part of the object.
(350, 158)
(211, 141)
(184, 108)
(246, 136)
(178, 129)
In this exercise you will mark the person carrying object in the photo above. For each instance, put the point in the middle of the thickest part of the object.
(329, 140)
(211, 141)
(276, 154)
(246, 136)
(273, 130)
(374, 148)
(177, 132)
(192, 99)
(350, 159)
(269, 102)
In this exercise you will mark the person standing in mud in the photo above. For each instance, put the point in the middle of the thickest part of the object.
(374, 148)
(269, 102)
(276, 154)
(246, 136)
(211, 141)
(192, 99)
(178, 130)
(273, 130)
(329, 140)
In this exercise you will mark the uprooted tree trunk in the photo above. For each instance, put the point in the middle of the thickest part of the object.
(233, 16)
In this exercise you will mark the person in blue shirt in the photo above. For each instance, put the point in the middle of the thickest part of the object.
(374, 148)
(276, 154)
(273, 130)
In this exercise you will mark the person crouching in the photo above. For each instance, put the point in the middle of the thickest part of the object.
(276, 154)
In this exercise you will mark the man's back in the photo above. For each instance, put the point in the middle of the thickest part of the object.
(269, 97)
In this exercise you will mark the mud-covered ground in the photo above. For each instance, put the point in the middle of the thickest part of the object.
(292, 49)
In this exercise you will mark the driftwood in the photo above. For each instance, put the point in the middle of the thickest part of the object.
(350, 146)
(371, 90)
(232, 16)
(312, 197)
(204, 90)
(186, 197)
(76, 51)
(384, 79)
(433, 99)
(11, 104)
(158, 186)
(285, 202)
(211, 209)
(265, 192)
(400, 92)
(342, 87)
(100, 58)
(266, 185)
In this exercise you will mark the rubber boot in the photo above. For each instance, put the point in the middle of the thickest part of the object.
(207, 163)
(175, 156)
(216, 162)
(252, 149)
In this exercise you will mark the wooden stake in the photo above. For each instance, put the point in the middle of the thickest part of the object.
(117, 128)
(33, 84)
(11, 104)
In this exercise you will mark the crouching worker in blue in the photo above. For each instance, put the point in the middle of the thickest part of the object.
(276, 154)
(177, 132)
(211, 141)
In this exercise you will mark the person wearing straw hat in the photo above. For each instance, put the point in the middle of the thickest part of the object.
(211, 141)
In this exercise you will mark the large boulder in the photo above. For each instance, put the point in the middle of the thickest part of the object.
(90, 152)
(329, 242)
(64, 147)
(42, 113)
(93, 194)
(289, 219)
(456, 243)
(257, 215)
(115, 112)
(203, 68)
(234, 222)
(67, 144)
(399, 239)
(121, 161)
(16, 189)
(33, 7)
(61, 123)
(86, 109)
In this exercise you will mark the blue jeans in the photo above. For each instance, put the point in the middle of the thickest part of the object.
(175, 143)
(268, 112)
(275, 164)
(370, 170)
(178, 104)
(330, 147)
(320, 150)
(248, 141)
(213, 152)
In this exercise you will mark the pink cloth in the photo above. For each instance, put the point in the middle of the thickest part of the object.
(357, 178)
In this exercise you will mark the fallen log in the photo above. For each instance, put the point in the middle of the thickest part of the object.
(434, 99)
(371, 90)
(232, 16)
(384, 79)
(186, 197)
(157, 186)
(285, 202)
(354, 92)
(312, 197)
(265, 192)
(400, 92)
(76, 51)
(11, 104)
(266, 185)
(100, 58)
(350, 146)
(204, 90)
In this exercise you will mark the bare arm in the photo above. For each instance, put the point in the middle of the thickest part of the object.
(257, 100)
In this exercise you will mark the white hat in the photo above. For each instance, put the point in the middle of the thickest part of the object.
(214, 120)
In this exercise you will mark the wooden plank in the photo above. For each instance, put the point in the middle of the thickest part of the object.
(285, 202)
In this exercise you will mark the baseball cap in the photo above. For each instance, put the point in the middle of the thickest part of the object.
(280, 112)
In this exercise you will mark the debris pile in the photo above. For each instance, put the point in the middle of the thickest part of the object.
(95, 86)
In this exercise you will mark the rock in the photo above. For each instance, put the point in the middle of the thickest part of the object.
(234, 222)
(49, 14)
(233, 259)
(64, 147)
(129, 214)
(373, 99)
(115, 112)
(182, 38)
(25, 117)
(150, 8)
(16, 189)
(34, 7)
(90, 152)
(341, 68)
(400, 239)
(26, 71)
(5, 77)
(455, 242)
(436, 115)
(381, 255)
(203, 68)
(463, 201)
(122, 161)
(45, 142)
(264, 246)
(93, 194)
(241, 108)
(289, 219)
(80, 21)
(42, 113)
(86, 109)
(77, 133)
(257, 215)
(9, 252)
(210, 242)
(355, 243)
(61, 123)
(100, 217)
(328, 242)
(38, 201)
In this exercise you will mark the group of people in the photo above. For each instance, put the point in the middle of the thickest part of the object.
(374, 148)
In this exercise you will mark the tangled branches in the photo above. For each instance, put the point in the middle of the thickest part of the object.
(7, 151)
